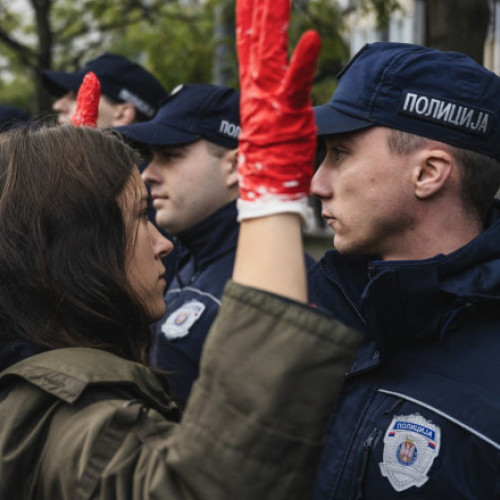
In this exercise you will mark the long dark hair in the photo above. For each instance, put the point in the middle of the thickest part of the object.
(63, 241)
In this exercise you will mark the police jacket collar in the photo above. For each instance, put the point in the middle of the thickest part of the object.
(214, 236)
(411, 302)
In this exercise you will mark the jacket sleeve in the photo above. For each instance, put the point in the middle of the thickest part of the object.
(254, 424)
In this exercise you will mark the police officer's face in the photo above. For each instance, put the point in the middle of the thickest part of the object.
(187, 184)
(367, 194)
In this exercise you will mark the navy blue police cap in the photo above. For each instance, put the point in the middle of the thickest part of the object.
(121, 80)
(445, 96)
(191, 112)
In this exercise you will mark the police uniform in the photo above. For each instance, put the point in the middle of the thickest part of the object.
(193, 298)
(418, 416)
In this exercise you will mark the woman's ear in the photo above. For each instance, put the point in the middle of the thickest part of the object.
(433, 168)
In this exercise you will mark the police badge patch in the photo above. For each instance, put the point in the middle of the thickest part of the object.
(177, 325)
(411, 443)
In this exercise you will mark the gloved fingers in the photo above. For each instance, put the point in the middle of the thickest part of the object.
(87, 101)
(298, 81)
(272, 31)
(244, 34)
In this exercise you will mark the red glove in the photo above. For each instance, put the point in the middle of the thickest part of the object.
(87, 102)
(278, 132)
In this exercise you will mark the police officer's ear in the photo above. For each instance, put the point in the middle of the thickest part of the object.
(231, 167)
(124, 114)
(434, 167)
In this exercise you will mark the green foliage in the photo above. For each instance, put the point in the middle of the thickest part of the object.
(172, 38)
(177, 46)
(16, 81)
(383, 10)
(18, 92)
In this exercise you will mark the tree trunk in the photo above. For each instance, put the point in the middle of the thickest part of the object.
(44, 59)
(459, 25)
(224, 70)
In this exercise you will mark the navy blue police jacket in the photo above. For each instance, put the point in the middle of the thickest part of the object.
(192, 298)
(419, 416)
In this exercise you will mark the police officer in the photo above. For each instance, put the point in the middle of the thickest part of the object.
(193, 181)
(129, 93)
(412, 137)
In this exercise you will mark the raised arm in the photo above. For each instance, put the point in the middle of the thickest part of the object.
(277, 145)
(87, 102)
(271, 367)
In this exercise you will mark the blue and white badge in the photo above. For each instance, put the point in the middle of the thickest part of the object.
(178, 324)
(411, 443)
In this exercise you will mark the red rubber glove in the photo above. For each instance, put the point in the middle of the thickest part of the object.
(278, 132)
(87, 102)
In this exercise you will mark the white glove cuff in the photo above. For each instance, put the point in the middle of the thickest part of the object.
(275, 204)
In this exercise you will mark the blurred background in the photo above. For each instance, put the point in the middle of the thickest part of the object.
(193, 41)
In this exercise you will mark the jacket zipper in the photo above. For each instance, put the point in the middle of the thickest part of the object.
(368, 446)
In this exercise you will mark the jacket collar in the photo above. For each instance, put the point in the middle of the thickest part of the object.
(410, 302)
(66, 373)
(214, 236)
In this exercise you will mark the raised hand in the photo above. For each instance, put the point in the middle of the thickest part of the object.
(278, 138)
(87, 102)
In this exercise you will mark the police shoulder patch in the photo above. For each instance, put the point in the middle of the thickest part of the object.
(411, 443)
(179, 322)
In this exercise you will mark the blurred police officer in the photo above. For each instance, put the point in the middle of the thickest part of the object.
(129, 93)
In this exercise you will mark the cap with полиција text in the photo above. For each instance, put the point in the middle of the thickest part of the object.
(445, 96)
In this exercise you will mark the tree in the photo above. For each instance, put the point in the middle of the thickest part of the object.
(465, 28)
(383, 9)
(225, 71)
(62, 33)
(177, 46)
(322, 15)
(178, 40)
(449, 24)
(200, 45)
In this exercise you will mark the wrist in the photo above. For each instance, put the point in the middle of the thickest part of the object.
(273, 204)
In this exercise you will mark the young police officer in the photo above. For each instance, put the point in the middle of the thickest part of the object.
(413, 147)
(193, 183)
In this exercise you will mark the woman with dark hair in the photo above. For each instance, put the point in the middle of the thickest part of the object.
(63, 244)
(81, 278)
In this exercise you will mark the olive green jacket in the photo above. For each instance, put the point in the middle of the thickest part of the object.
(82, 423)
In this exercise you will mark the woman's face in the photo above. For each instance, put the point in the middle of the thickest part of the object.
(146, 246)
